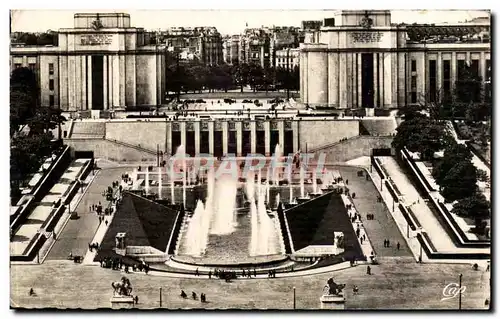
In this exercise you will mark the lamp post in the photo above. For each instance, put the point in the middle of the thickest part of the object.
(160, 297)
(294, 304)
(460, 292)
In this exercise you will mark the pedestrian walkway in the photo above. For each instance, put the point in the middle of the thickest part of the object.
(99, 235)
(383, 225)
(46, 248)
(78, 233)
(298, 273)
(430, 224)
(363, 238)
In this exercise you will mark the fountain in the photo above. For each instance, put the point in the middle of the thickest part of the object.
(226, 188)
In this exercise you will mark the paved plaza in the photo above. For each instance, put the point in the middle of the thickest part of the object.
(394, 284)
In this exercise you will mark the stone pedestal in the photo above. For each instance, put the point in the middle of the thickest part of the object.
(122, 302)
(369, 111)
(336, 302)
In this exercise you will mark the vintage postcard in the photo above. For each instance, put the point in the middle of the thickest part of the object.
(325, 160)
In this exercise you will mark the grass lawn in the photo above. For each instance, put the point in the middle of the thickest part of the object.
(394, 284)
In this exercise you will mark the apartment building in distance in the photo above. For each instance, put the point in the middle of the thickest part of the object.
(202, 43)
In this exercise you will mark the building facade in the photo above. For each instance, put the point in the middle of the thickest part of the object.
(101, 64)
(287, 58)
(359, 59)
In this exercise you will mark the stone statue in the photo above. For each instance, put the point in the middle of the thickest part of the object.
(332, 288)
(122, 288)
(339, 241)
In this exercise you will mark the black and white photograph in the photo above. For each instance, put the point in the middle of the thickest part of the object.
(250, 159)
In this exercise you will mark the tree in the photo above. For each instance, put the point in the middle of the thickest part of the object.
(23, 97)
(476, 207)
(45, 119)
(469, 100)
(453, 154)
(422, 134)
(460, 182)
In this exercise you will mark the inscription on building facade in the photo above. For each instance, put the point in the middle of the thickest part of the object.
(366, 37)
(96, 39)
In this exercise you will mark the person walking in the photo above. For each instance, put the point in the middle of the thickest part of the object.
(368, 270)
(398, 245)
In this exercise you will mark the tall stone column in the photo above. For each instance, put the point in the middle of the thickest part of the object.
(63, 82)
(394, 79)
(281, 130)
(225, 137)
(72, 82)
(89, 82)
(239, 138)
(348, 79)
(182, 127)
(78, 80)
(439, 65)
(295, 128)
(360, 81)
(110, 82)
(375, 79)
(267, 137)
(333, 79)
(453, 69)
(387, 79)
(123, 75)
(211, 149)
(116, 80)
(306, 77)
(105, 81)
(253, 137)
(482, 69)
(197, 134)
(343, 80)
(83, 83)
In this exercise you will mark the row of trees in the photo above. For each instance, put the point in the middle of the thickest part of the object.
(195, 76)
(455, 173)
(468, 100)
(46, 38)
(30, 128)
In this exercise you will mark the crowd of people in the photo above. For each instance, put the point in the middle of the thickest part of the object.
(119, 264)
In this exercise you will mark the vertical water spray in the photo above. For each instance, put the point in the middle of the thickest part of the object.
(315, 182)
(264, 227)
(147, 180)
(159, 182)
(209, 205)
(276, 166)
(302, 195)
(226, 189)
(184, 172)
(194, 235)
(289, 167)
(172, 191)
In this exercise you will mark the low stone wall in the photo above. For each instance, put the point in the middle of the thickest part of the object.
(108, 150)
(354, 148)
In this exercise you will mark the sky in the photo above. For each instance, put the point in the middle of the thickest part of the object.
(226, 21)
